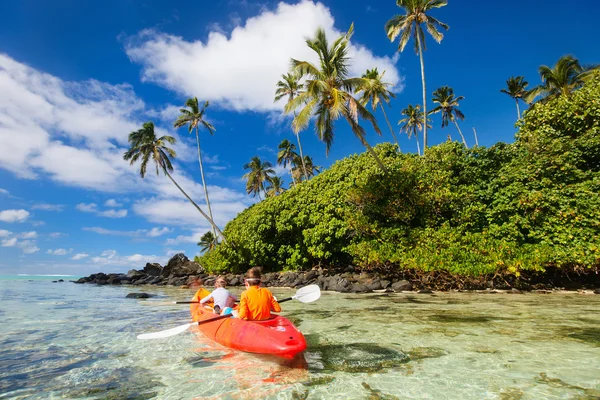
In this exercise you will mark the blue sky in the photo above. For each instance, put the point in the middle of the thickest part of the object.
(76, 77)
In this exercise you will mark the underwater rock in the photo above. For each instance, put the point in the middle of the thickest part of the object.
(138, 296)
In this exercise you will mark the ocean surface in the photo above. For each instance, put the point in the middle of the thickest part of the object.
(64, 340)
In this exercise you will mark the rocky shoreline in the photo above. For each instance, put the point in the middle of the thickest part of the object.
(181, 272)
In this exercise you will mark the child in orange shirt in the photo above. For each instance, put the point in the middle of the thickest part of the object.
(256, 303)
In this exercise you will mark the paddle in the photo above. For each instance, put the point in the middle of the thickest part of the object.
(307, 294)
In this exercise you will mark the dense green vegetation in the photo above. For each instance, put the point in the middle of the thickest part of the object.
(528, 205)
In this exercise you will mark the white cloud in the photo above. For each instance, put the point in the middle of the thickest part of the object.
(48, 207)
(113, 213)
(28, 235)
(191, 238)
(5, 233)
(93, 208)
(240, 71)
(59, 252)
(57, 235)
(113, 259)
(154, 232)
(112, 203)
(79, 256)
(171, 253)
(83, 207)
(4, 191)
(14, 215)
(28, 246)
(9, 242)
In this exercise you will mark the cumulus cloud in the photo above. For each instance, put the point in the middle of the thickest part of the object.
(4, 191)
(113, 259)
(93, 208)
(14, 215)
(154, 232)
(28, 246)
(57, 235)
(79, 256)
(240, 71)
(9, 242)
(5, 233)
(112, 203)
(59, 252)
(113, 213)
(28, 235)
(48, 207)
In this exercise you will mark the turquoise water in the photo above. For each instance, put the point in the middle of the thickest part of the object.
(62, 340)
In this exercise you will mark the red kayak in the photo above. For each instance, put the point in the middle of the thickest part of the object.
(276, 335)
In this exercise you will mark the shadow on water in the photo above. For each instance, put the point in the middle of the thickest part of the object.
(558, 383)
(456, 318)
(588, 335)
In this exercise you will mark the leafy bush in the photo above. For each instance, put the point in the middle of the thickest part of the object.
(511, 207)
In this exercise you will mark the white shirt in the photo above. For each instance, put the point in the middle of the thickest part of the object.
(222, 298)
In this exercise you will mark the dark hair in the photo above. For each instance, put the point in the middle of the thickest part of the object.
(253, 275)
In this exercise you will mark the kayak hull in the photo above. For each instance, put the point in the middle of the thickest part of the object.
(276, 336)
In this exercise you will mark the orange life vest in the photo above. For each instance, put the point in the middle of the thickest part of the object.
(256, 304)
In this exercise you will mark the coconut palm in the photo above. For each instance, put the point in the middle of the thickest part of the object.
(194, 118)
(448, 106)
(411, 25)
(207, 242)
(328, 94)
(413, 123)
(516, 87)
(290, 87)
(311, 168)
(275, 187)
(562, 79)
(376, 91)
(286, 156)
(260, 172)
(145, 145)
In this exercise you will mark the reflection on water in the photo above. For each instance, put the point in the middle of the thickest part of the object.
(78, 342)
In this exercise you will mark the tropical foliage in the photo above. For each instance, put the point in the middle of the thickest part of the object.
(375, 91)
(329, 92)
(448, 107)
(260, 172)
(275, 187)
(410, 25)
(530, 205)
(207, 242)
(562, 79)
(413, 123)
(516, 87)
(287, 157)
(145, 146)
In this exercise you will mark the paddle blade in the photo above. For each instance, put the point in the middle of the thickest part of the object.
(167, 333)
(308, 294)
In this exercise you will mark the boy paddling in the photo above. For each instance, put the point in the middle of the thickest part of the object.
(256, 303)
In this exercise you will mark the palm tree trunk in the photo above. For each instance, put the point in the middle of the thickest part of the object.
(418, 145)
(390, 126)
(461, 135)
(518, 110)
(203, 181)
(372, 152)
(215, 227)
(292, 175)
(424, 94)
(476, 141)
(300, 149)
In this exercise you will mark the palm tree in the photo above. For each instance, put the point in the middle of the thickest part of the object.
(410, 25)
(260, 172)
(448, 106)
(286, 156)
(193, 118)
(377, 93)
(310, 167)
(145, 145)
(566, 76)
(207, 242)
(413, 123)
(290, 87)
(328, 94)
(275, 187)
(517, 89)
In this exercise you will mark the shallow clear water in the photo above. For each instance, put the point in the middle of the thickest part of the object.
(62, 340)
